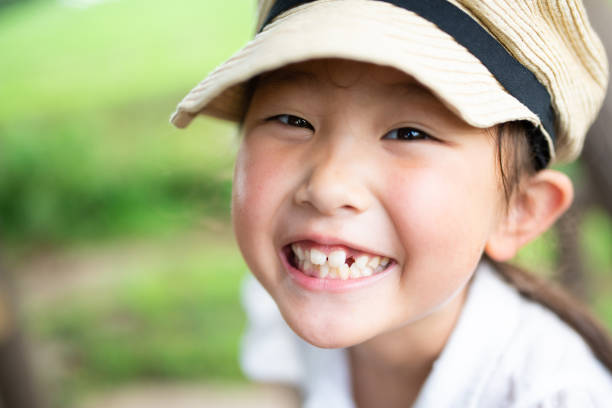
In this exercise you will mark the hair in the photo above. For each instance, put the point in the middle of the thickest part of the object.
(516, 161)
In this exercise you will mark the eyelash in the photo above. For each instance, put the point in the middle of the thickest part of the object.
(403, 133)
(408, 133)
(291, 120)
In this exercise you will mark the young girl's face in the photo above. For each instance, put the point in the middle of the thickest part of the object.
(350, 163)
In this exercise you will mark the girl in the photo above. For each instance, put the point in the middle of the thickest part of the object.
(393, 153)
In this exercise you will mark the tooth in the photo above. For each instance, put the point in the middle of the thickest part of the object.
(367, 271)
(344, 271)
(333, 273)
(317, 257)
(355, 271)
(298, 251)
(307, 266)
(323, 271)
(336, 259)
(384, 261)
(361, 261)
(374, 262)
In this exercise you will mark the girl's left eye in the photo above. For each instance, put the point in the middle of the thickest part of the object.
(407, 133)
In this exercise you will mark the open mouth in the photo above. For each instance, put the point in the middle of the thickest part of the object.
(334, 262)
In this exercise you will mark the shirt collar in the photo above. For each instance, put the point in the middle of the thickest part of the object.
(489, 317)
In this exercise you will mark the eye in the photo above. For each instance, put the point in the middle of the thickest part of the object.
(407, 133)
(291, 120)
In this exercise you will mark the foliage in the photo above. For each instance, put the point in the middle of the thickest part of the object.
(73, 180)
(177, 322)
(86, 148)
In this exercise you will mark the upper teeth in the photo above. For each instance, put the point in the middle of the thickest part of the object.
(316, 263)
(317, 257)
(335, 259)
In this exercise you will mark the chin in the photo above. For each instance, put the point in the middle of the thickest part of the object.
(327, 333)
(328, 340)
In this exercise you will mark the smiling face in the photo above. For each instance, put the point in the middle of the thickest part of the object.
(344, 164)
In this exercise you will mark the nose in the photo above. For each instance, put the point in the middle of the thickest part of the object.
(336, 182)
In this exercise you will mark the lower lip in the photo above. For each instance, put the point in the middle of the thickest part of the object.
(331, 285)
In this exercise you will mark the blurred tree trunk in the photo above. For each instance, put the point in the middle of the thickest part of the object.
(598, 145)
(597, 160)
(17, 388)
(570, 264)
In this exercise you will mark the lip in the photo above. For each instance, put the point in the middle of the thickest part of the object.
(332, 242)
(314, 284)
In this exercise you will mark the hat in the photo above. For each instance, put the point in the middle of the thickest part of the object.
(488, 61)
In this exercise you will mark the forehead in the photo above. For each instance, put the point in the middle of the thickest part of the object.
(342, 73)
(376, 86)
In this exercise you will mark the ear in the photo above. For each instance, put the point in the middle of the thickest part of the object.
(543, 198)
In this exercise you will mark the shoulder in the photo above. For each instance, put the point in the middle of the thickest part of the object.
(507, 351)
(547, 363)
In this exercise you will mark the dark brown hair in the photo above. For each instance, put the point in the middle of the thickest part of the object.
(516, 162)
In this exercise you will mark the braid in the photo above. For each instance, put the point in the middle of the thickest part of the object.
(513, 143)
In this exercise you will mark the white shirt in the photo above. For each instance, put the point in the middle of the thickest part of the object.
(505, 351)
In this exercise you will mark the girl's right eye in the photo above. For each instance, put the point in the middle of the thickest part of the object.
(291, 120)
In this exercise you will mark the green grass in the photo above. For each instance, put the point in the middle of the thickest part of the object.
(180, 321)
(87, 150)
(63, 61)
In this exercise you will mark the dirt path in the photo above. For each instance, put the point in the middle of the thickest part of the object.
(47, 277)
(195, 396)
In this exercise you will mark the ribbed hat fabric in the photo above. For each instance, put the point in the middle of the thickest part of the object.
(551, 38)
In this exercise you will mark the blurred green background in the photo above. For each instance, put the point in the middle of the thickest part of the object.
(114, 224)
(93, 178)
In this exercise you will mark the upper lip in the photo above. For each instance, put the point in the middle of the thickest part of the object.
(329, 240)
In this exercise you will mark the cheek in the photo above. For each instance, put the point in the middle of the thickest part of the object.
(254, 191)
(443, 203)
(252, 184)
(426, 212)
(262, 185)
(442, 218)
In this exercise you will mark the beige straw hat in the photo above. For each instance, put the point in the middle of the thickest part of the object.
(489, 61)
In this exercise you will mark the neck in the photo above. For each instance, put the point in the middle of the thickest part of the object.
(393, 366)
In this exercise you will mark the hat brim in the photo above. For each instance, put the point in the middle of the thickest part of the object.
(368, 31)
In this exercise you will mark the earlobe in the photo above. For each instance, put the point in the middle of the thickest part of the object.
(542, 199)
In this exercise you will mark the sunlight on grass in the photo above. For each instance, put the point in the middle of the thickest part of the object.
(66, 60)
